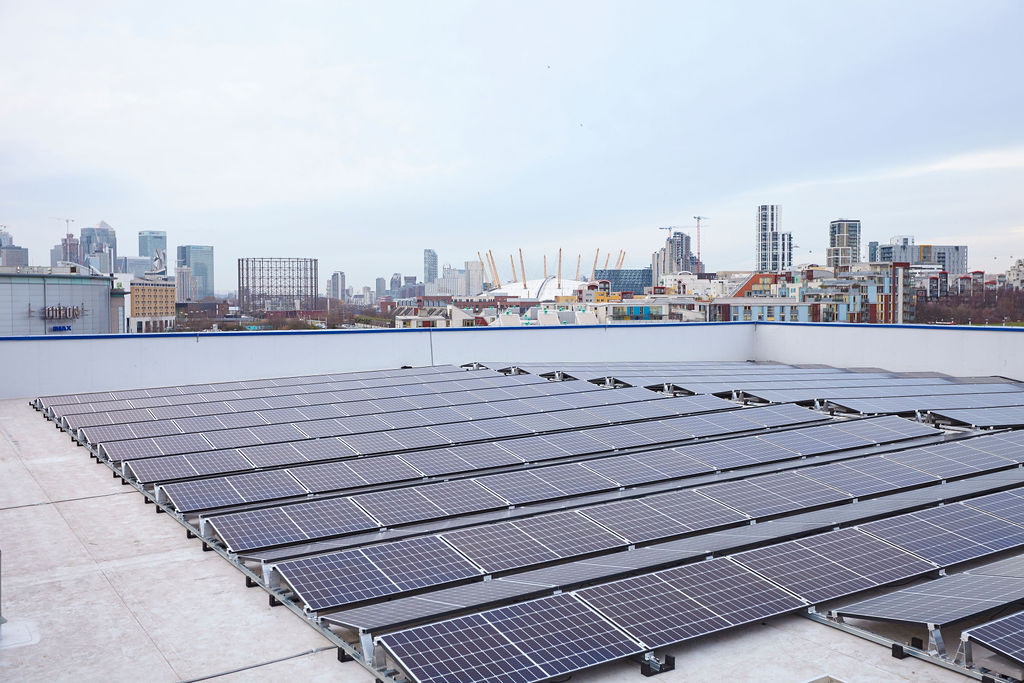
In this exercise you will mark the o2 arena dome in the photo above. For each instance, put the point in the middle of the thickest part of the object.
(544, 289)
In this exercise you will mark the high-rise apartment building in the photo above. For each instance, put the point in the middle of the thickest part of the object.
(184, 285)
(872, 252)
(150, 241)
(676, 256)
(69, 249)
(199, 259)
(474, 278)
(843, 244)
(951, 258)
(429, 266)
(774, 248)
(336, 288)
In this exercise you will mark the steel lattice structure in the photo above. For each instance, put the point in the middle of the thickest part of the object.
(278, 284)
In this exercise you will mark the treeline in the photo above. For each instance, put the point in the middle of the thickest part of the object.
(988, 308)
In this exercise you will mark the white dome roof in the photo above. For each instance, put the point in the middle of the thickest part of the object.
(545, 289)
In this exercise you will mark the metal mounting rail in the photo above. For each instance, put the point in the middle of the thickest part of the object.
(902, 650)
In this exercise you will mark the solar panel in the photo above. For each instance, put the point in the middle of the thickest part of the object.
(484, 653)
(217, 462)
(483, 455)
(866, 476)
(1003, 636)
(672, 463)
(569, 534)
(635, 520)
(461, 496)
(269, 455)
(256, 529)
(329, 517)
(832, 565)
(574, 478)
(160, 469)
(1012, 416)
(398, 506)
(496, 547)
(772, 494)
(1008, 505)
(949, 534)
(330, 476)
(948, 460)
(625, 470)
(384, 469)
(419, 562)
(652, 611)
(560, 634)
(336, 579)
(520, 487)
(694, 510)
(940, 602)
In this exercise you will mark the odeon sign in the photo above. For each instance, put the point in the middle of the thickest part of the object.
(62, 312)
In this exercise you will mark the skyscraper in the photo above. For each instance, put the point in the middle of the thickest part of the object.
(150, 241)
(674, 257)
(429, 265)
(843, 244)
(200, 260)
(100, 239)
(774, 249)
(396, 284)
(336, 290)
(381, 287)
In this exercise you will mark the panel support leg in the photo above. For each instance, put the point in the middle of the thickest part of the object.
(650, 665)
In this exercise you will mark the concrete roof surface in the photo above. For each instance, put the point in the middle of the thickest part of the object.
(98, 587)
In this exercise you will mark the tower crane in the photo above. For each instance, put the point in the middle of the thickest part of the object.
(700, 264)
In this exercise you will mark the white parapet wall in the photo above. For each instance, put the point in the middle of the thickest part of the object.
(39, 366)
(36, 366)
(954, 350)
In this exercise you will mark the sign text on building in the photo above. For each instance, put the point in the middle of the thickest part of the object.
(62, 312)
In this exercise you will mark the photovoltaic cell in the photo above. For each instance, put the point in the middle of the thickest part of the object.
(948, 534)
(561, 634)
(419, 562)
(940, 602)
(496, 547)
(832, 565)
(1004, 636)
(484, 653)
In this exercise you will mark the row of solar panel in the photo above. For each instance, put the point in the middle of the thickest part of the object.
(670, 606)
(437, 604)
(253, 397)
(391, 413)
(912, 404)
(1012, 416)
(693, 366)
(763, 379)
(562, 535)
(368, 434)
(365, 435)
(747, 386)
(202, 494)
(188, 389)
(839, 394)
(632, 519)
(414, 395)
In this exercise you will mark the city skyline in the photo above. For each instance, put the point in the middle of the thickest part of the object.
(367, 146)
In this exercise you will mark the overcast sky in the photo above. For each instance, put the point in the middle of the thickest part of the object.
(361, 133)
